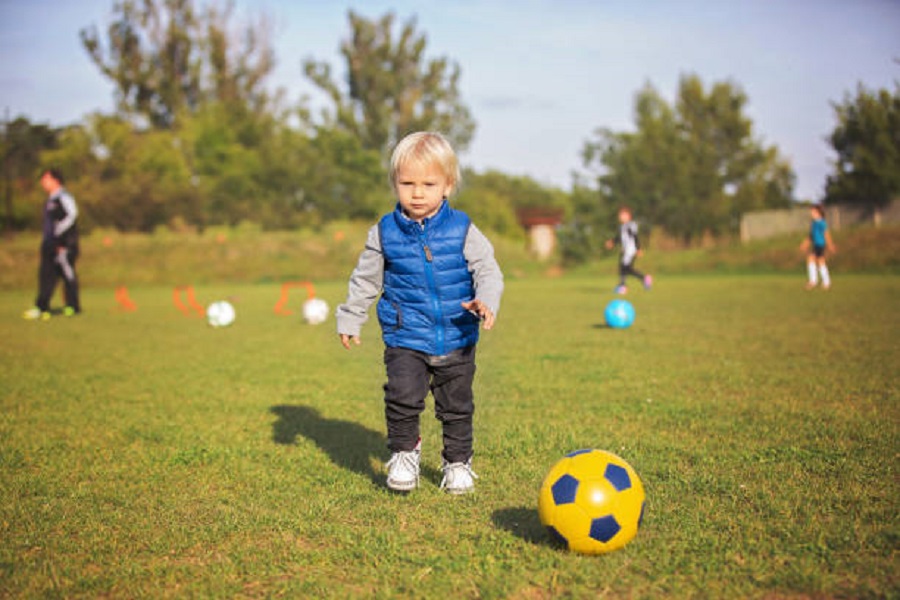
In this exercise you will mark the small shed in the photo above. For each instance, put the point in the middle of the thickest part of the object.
(540, 225)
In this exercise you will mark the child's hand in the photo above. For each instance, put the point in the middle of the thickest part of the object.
(480, 308)
(805, 245)
(346, 339)
(608, 244)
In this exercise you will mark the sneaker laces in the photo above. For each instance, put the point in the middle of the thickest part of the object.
(404, 459)
(451, 469)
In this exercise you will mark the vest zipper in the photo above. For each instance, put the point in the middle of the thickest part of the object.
(435, 301)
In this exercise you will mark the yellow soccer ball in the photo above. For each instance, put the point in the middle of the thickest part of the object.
(592, 501)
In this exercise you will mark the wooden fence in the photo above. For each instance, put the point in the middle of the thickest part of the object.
(768, 223)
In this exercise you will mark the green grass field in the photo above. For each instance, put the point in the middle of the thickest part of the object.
(145, 454)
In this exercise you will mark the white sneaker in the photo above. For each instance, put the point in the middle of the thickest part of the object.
(34, 313)
(403, 469)
(459, 478)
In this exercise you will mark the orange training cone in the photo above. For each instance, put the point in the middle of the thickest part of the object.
(125, 302)
(191, 300)
(280, 306)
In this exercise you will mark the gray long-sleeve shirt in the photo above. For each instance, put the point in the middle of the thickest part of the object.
(368, 278)
(60, 212)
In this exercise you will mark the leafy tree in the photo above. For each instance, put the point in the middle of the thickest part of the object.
(590, 224)
(391, 88)
(167, 58)
(692, 167)
(211, 171)
(21, 147)
(218, 150)
(867, 142)
(344, 180)
(492, 199)
(226, 163)
(213, 147)
(125, 177)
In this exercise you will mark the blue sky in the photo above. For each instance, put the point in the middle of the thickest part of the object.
(539, 75)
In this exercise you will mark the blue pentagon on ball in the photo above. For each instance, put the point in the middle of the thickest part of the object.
(564, 489)
(577, 452)
(618, 477)
(604, 528)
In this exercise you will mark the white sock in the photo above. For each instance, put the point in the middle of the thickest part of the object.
(826, 278)
(811, 269)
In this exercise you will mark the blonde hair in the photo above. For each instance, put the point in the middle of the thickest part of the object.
(426, 147)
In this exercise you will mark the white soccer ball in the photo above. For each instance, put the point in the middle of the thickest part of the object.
(315, 311)
(220, 314)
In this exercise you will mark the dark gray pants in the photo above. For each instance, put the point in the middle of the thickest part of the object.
(56, 264)
(627, 268)
(410, 376)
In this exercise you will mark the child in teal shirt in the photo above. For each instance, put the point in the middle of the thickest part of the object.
(815, 245)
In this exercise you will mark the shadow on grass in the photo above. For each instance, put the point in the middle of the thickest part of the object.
(606, 327)
(348, 444)
(524, 523)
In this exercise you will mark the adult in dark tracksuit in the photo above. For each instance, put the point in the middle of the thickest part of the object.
(59, 248)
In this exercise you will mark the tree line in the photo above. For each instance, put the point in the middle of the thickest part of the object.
(199, 139)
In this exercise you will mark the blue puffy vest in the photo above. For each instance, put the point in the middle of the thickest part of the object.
(426, 277)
